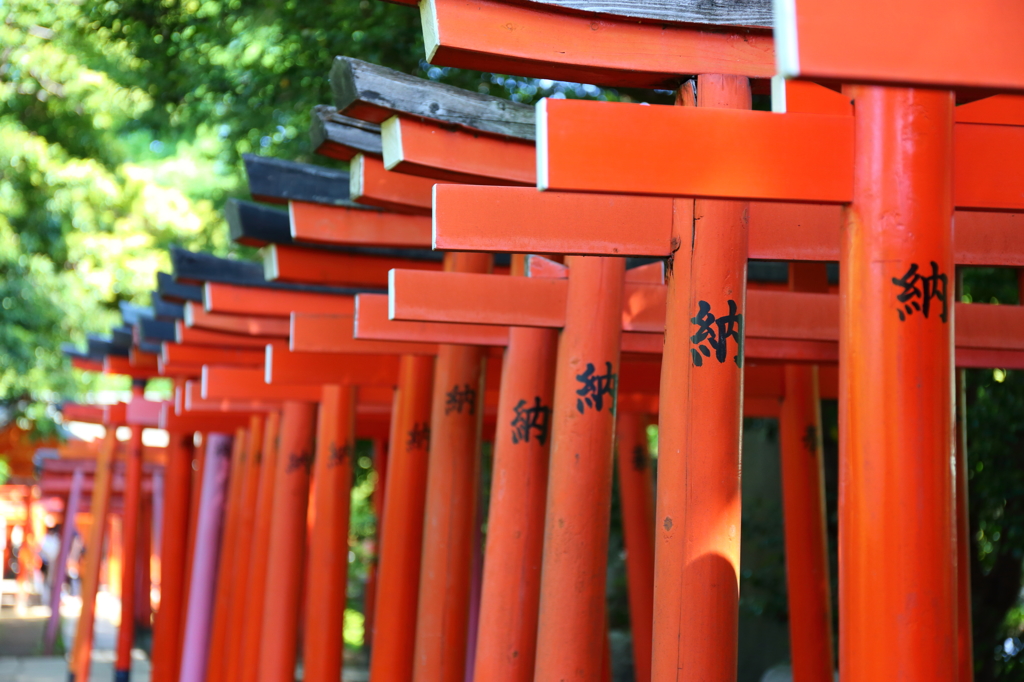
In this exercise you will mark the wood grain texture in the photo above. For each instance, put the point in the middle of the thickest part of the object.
(342, 137)
(713, 12)
(537, 41)
(375, 93)
(277, 181)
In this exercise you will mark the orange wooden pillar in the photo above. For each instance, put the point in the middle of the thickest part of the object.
(698, 506)
(81, 652)
(256, 583)
(323, 642)
(244, 541)
(803, 501)
(636, 491)
(510, 593)
(897, 574)
(401, 534)
(174, 538)
(571, 632)
(114, 549)
(215, 662)
(442, 621)
(286, 554)
(130, 564)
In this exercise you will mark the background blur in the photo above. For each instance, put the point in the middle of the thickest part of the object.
(122, 125)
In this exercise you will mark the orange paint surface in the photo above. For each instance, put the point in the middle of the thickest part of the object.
(343, 225)
(237, 300)
(529, 40)
(945, 43)
(449, 153)
(315, 266)
(313, 333)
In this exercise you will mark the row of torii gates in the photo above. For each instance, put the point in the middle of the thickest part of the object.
(892, 124)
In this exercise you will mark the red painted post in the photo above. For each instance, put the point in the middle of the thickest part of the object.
(245, 539)
(636, 491)
(174, 536)
(571, 630)
(510, 594)
(442, 620)
(803, 500)
(698, 502)
(401, 534)
(323, 642)
(255, 590)
(286, 555)
(144, 550)
(897, 576)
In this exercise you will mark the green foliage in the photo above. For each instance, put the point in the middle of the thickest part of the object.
(995, 439)
(122, 125)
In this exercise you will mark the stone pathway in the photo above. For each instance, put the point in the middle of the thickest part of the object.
(21, 637)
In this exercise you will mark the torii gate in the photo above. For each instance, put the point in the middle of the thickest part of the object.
(402, 523)
(588, 164)
(397, 130)
(871, 342)
(618, 188)
(381, 90)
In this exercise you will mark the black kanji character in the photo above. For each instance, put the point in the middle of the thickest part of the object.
(716, 332)
(298, 461)
(418, 437)
(912, 298)
(536, 418)
(595, 387)
(338, 455)
(459, 397)
(810, 439)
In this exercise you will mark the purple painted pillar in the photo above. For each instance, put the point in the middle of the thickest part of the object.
(158, 511)
(60, 566)
(204, 560)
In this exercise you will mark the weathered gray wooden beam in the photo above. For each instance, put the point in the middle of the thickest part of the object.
(177, 292)
(194, 266)
(277, 181)
(166, 310)
(131, 313)
(375, 93)
(255, 225)
(342, 137)
(156, 330)
(73, 352)
(756, 13)
(99, 346)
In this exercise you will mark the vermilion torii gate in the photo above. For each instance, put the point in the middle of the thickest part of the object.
(646, 177)
(497, 236)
